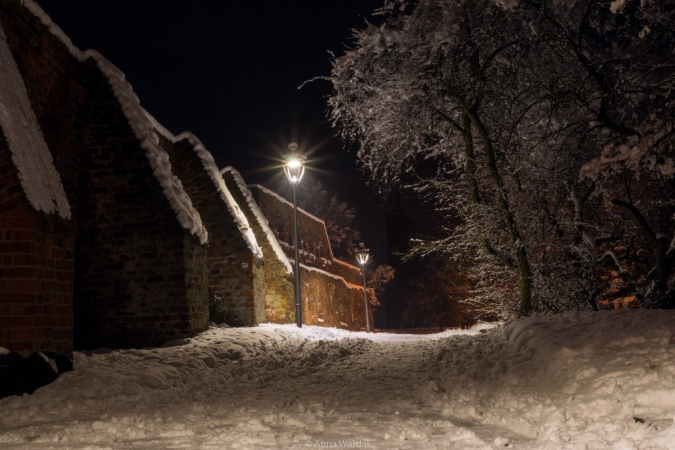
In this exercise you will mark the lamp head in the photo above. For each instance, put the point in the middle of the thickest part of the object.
(362, 254)
(295, 164)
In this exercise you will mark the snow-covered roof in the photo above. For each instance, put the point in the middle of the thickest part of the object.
(143, 129)
(283, 200)
(212, 170)
(260, 218)
(332, 275)
(173, 190)
(33, 7)
(38, 177)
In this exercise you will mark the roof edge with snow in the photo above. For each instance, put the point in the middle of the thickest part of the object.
(260, 218)
(143, 129)
(283, 200)
(30, 154)
(212, 170)
(172, 188)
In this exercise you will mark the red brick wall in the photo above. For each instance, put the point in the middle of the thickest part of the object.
(37, 250)
(279, 302)
(332, 302)
(141, 278)
(135, 276)
(55, 81)
(333, 299)
(36, 271)
(234, 272)
(314, 245)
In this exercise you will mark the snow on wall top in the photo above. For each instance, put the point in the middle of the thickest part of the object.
(332, 275)
(173, 190)
(232, 206)
(211, 168)
(262, 220)
(185, 212)
(283, 200)
(39, 178)
(34, 8)
(351, 266)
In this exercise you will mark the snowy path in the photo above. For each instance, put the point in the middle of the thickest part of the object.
(577, 381)
(234, 388)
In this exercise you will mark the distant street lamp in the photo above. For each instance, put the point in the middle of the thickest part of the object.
(362, 257)
(294, 170)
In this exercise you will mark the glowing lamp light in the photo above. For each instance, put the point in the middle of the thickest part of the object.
(295, 164)
(362, 254)
(295, 169)
(362, 257)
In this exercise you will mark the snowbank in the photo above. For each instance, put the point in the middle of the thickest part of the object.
(574, 381)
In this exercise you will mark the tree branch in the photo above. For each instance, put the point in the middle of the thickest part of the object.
(638, 215)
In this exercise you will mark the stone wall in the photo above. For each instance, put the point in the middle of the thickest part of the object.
(235, 274)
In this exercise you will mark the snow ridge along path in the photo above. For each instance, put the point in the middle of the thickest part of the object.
(573, 381)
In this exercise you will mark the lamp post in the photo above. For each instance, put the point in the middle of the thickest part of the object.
(362, 257)
(294, 170)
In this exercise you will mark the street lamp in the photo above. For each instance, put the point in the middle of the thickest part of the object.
(294, 170)
(362, 257)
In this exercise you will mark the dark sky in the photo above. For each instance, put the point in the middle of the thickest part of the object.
(228, 71)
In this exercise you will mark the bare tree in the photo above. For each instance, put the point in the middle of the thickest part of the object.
(545, 126)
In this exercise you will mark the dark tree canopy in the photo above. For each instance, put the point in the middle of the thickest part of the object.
(546, 126)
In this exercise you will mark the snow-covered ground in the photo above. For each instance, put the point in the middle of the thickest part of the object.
(574, 381)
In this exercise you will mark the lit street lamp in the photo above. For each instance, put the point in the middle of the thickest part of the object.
(294, 170)
(362, 257)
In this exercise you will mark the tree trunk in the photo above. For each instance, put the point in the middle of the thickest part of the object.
(525, 306)
(663, 264)
(470, 161)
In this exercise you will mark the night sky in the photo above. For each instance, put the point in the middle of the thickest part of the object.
(229, 72)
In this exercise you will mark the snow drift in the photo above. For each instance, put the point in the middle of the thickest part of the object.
(573, 381)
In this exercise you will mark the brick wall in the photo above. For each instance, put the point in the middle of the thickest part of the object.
(279, 302)
(331, 301)
(123, 272)
(36, 271)
(235, 274)
(314, 246)
(37, 250)
(332, 293)
(141, 278)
